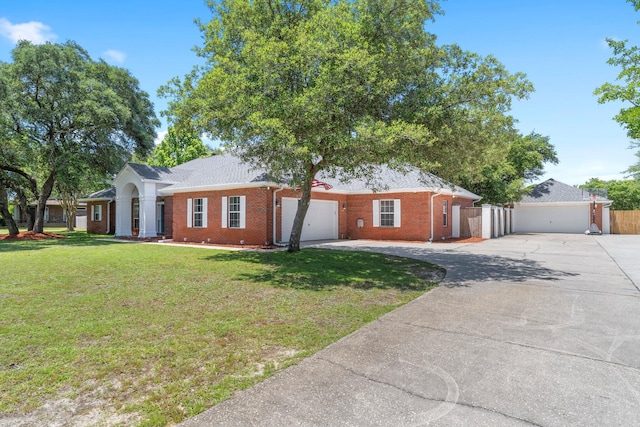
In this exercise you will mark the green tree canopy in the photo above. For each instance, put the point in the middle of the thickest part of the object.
(625, 194)
(61, 111)
(177, 147)
(300, 86)
(627, 58)
(506, 180)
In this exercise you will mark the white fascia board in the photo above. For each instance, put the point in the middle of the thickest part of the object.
(99, 199)
(443, 191)
(219, 187)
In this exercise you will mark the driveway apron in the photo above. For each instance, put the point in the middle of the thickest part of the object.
(539, 330)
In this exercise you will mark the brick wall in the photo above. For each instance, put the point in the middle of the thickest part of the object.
(97, 227)
(258, 216)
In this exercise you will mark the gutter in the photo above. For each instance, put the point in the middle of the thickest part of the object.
(109, 216)
(275, 242)
(437, 193)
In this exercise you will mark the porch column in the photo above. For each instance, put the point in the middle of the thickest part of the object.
(123, 216)
(487, 226)
(455, 221)
(508, 220)
(501, 213)
(148, 215)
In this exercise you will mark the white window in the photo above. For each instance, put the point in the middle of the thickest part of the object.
(96, 213)
(197, 212)
(234, 212)
(445, 209)
(46, 213)
(136, 214)
(386, 213)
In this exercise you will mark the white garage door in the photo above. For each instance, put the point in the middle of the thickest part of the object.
(321, 221)
(552, 219)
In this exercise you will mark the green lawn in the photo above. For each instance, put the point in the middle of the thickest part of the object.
(155, 334)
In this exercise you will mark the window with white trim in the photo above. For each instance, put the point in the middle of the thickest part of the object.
(198, 212)
(46, 213)
(445, 210)
(234, 212)
(136, 214)
(96, 213)
(386, 213)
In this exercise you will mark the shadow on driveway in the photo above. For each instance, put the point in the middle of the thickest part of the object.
(463, 267)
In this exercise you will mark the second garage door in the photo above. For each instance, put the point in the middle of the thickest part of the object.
(320, 223)
(552, 219)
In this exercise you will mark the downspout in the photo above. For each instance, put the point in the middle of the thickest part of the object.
(109, 215)
(437, 193)
(274, 218)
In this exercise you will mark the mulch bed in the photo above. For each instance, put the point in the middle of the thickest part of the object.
(30, 235)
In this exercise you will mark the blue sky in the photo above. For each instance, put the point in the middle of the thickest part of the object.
(558, 44)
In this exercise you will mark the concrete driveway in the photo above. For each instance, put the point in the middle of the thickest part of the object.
(525, 330)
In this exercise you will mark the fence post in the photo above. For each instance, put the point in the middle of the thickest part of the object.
(487, 225)
(455, 221)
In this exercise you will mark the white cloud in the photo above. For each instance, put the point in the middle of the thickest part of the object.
(115, 55)
(35, 32)
(160, 137)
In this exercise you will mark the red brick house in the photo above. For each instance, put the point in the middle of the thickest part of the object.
(220, 199)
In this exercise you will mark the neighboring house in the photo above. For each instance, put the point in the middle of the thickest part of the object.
(101, 211)
(54, 215)
(554, 207)
(220, 199)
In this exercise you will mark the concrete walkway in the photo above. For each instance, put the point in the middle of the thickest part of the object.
(539, 330)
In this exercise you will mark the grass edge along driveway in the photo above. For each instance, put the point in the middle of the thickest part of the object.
(123, 333)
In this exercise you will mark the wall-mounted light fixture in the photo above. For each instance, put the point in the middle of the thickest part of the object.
(344, 206)
(277, 203)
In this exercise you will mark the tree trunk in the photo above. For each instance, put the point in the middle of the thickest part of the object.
(47, 188)
(298, 221)
(69, 203)
(23, 202)
(4, 211)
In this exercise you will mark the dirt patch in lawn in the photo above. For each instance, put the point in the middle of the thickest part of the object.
(30, 235)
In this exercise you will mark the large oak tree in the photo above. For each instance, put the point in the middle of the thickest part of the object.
(627, 58)
(302, 86)
(61, 111)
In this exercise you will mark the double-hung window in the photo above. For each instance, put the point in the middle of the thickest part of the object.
(386, 213)
(197, 212)
(445, 210)
(96, 213)
(234, 211)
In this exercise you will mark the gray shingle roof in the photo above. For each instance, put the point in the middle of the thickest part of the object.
(108, 193)
(226, 169)
(552, 191)
(159, 173)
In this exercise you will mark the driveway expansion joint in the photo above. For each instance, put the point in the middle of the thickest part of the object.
(532, 347)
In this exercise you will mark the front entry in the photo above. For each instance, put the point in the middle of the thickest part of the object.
(160, 217)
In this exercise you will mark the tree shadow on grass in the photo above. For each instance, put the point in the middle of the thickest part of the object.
(464, 268)
(322, 269)
(73, 239)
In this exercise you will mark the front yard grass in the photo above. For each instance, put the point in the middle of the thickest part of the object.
(152, 334)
